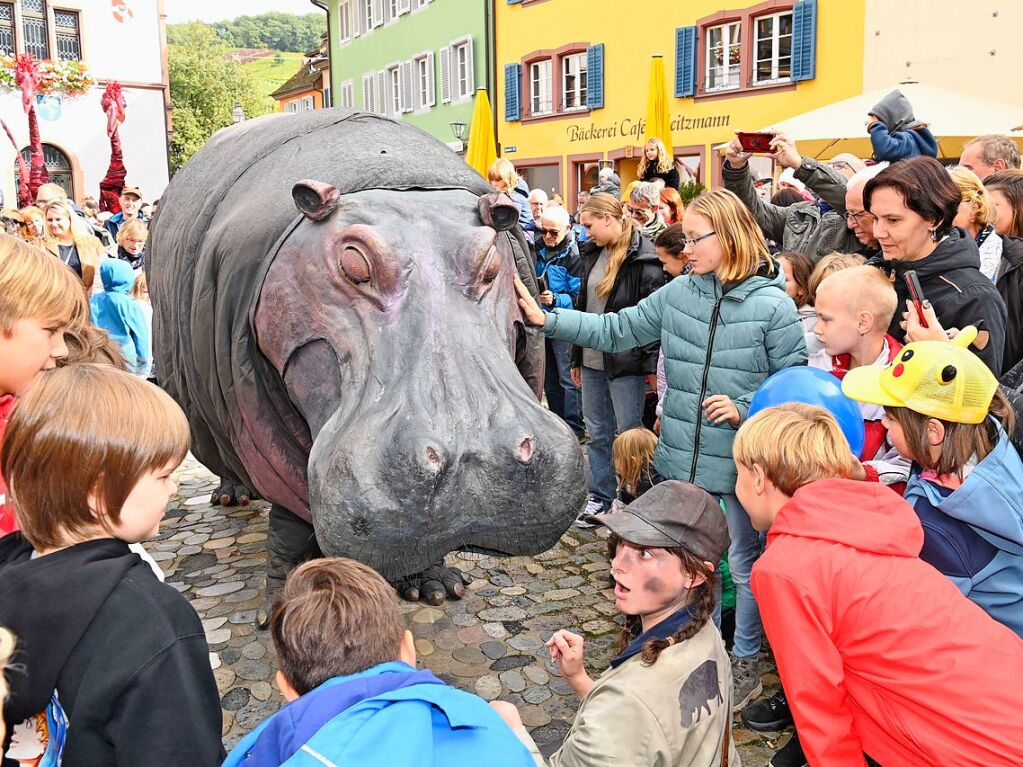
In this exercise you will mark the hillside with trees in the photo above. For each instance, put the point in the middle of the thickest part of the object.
(274, 30)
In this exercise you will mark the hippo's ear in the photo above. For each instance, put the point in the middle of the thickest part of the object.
(315, 199)
(499, 211)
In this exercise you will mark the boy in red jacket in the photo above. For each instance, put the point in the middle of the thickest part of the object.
(878, 652)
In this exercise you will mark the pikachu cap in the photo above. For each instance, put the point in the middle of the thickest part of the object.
(940, 379)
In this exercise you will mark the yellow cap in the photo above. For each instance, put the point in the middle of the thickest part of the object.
(940, 379)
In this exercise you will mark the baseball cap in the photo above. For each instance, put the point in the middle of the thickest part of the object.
(939, 379)
(132, 190)
(670, 514)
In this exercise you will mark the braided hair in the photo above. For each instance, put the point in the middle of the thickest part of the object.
(702, 599)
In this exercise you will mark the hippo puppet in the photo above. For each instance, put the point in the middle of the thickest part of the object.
(335, 311)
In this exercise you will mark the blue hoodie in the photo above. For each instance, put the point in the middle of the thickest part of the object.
(974, 534)
(121, 315)
(390, 715)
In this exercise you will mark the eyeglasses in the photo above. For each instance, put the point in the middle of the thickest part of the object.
(641, 214)
(839, 165)
(551, 232)
(851, 216)
(135, 242)
(688, 242)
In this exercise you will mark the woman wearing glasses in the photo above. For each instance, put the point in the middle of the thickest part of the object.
(724, 329)
(620, 268)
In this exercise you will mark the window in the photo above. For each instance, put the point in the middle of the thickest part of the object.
(367, 15)
(347, 90)
(423, 87)
(392, 10)
(393, 91)
(573, 81)
(7, 29)
(291, 106)
(344, 20)
(540, 96)
(308, 103)
(33, 21)
(58, 165)
(69, 44)
(327, 100)
(772, 48)
(462, 57)
(368, 102)
(724, 56)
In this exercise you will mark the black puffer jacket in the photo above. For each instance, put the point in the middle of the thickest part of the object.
(640, 275)
(669, 177)
(1010, 288)
(960, 293)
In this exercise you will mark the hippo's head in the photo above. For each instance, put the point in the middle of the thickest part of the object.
(391, 317)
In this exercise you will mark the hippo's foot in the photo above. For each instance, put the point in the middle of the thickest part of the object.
(231, 494)
(434, 584)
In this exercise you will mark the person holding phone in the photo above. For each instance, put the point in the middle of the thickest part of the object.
(913, 204)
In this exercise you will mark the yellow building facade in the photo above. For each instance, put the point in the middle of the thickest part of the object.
(573, 78)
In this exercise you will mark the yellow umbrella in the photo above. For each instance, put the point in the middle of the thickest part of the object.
(658, 119)
(482, 150)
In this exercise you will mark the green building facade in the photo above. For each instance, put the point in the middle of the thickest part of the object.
(419, 61)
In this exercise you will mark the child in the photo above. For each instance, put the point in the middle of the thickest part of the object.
(633, 455)
(945, 413)
(671, 660)
(798, 267)
(670, 248)
(116, 662)
(855, 307)
(116, 312)
(878, 652)
(724, 329)
(895, 134)
(354, 696)
(140, 292)
(39, 297)
(831, 263)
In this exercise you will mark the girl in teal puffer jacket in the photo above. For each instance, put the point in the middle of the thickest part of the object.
(724, 328)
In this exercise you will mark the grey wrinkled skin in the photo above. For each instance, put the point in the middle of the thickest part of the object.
(399, 414)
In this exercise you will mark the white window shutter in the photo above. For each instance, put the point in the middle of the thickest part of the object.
(445, 74)
(470, 80)
(388, 92)
(431, 91)
(378, 12)
(406, 86)
(356, 18)
(381, 89)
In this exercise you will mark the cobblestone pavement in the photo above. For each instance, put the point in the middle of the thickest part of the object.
(490, 642)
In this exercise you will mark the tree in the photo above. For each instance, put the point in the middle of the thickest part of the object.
(204, 88)
(276, 31)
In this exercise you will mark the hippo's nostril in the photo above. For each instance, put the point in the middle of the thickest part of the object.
(434, 462)
(526, 449)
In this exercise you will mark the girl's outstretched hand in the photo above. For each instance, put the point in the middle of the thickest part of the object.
(530, 308)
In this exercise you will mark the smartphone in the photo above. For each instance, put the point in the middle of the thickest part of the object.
(758, 143)
(541, 283)
(916, 295)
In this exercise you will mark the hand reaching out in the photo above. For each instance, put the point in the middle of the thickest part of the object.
(530, 308)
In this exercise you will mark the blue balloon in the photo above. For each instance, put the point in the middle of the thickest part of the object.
(812, 387)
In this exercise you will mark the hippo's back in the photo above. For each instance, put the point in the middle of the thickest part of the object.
(211, 242)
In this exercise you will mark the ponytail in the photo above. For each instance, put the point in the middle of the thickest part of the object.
(602, 204)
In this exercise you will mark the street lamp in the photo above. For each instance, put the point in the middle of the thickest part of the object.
(459, 128)
(237, 114)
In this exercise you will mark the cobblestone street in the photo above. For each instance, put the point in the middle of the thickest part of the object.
(490, 642)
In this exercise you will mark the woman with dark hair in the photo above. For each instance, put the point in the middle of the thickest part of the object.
(914, 204)
(1005, 188)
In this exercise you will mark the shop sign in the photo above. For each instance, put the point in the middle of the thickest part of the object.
(636, 127)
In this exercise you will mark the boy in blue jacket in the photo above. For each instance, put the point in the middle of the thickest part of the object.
(122, 316)
(895, 134)
(347, 670)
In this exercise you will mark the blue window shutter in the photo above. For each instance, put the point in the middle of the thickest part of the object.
(512, 83)
(514, 2)
(685, 62)
(595, 76)
(804, 40)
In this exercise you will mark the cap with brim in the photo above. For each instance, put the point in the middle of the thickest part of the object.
(672, 514)
(132, 190)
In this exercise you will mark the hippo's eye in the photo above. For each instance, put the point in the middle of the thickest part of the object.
(355, 266)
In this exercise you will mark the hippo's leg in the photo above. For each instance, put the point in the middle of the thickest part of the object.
(231, 493)
(434, 584)
(290, 542)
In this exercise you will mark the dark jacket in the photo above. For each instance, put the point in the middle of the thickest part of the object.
(961, 295)
(116, 660)
(640, 275)
(562, 268)
(670, 178)
(115, 222)
(1010, 288)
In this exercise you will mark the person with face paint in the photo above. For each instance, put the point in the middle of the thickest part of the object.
(667, 697)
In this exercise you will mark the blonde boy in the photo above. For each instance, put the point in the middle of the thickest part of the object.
(39, 298)
(854, 309)
(115, 662)
(878, 652)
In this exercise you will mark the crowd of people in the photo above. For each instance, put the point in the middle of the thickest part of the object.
(887, 577)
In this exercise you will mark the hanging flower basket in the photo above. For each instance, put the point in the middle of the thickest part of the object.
(70, 79)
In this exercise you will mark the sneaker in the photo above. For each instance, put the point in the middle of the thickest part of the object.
(791, 755)
(768, 715)
(593, 506)
(746, 684)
